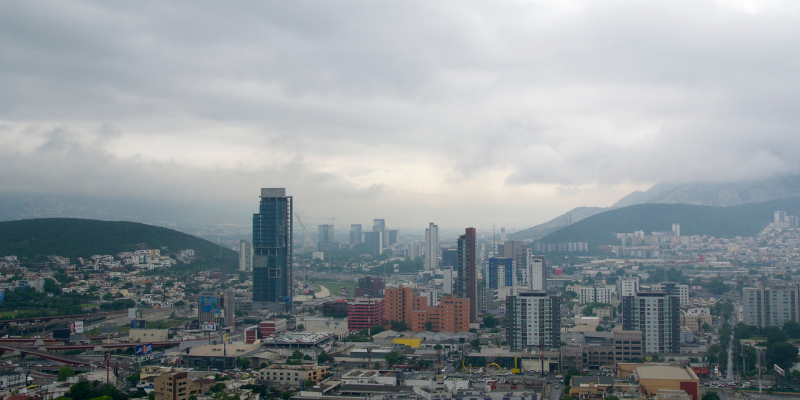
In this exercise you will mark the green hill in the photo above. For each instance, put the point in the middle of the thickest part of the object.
(722, 222)
(73, 237)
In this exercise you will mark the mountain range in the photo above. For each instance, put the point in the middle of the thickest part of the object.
(698, 194)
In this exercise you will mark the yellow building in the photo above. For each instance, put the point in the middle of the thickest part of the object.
(174, 386)
(413, 343)
(653, 378)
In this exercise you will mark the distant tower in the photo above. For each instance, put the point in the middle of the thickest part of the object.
(245, 256)
(676, 228)
(325, 239)
(466, 285)
(502, 234)
(272, 251)
(431, 247)
(355, 234)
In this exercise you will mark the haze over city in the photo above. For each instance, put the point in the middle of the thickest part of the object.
(463, 113)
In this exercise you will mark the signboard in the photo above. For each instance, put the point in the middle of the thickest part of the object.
(780, 370)
(135, 313)
(225, 338)
(76, 326)
(191, 325)
(108, 328)
(143, 349)
(61, 333)
(208, 326)
(207, 303)
(138, 324)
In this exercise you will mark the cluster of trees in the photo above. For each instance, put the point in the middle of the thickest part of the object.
(297, 358)
(779, 350)
(61, 303)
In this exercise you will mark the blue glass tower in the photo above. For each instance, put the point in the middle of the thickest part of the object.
(500, 273)
(272, 251)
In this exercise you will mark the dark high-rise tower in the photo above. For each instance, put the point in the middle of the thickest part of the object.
(466, 286)
(272, 251)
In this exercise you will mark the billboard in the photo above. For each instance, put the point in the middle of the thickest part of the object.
(61, 333)
(780, 370)
(76, 327)
(138, 324)
(108, 328)
(135, 313)
(143, 349)
(207, 303)
(191, 325)
(209, 326)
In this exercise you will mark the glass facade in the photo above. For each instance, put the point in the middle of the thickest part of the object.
(272, 249)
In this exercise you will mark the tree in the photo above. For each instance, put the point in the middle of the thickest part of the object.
(322, 357)
(489, 321)
(243, 363)
(66, 372)
(710, 395)
(429, 326)
(133, 378)
(394, 358)
(51, 286)
(782, 353)
(792, 329)
(376, 329)
(82, 390)
(398, 326)
(300, 327)
(307, 357)
(775, 335)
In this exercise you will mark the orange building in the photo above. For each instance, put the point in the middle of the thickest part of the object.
(399, 304)
(451, 315)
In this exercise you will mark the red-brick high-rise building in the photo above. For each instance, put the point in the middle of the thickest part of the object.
(451, 315)
(365, 313)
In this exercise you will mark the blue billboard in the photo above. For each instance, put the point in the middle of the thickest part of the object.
(139, 350)
(208, 303)
(148, 348)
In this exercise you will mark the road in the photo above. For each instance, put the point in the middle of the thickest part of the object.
(555, 390)
(730, 361)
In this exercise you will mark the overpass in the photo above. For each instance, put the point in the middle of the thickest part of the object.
(69, 360)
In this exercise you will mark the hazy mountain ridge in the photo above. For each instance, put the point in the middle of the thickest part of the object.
(75, 237)
(724, 222)
(706, 194)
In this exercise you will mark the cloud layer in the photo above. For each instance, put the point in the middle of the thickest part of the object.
(464, 113)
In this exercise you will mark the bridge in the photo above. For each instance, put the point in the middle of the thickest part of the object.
(69, 360)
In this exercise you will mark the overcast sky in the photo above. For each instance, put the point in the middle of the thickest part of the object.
(462, 113)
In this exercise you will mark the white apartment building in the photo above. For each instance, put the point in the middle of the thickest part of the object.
(447, 281)
(245, 256)
(766, 306)
(536, 273)
(596, 294)
(627, 287)
(682, 291)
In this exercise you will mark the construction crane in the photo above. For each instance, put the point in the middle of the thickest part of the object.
(307, 238)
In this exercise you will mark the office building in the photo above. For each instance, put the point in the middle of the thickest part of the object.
(627, 346)
(465, 283)
(536, 273)
(355, 234)
(393, 235)
(773, 305)
(174, 386)
(431, 247)
(219, 308)
(533, 321)
(449, 257)
(448, 274)
(379, 226)
(293, 375)
(370, 286)
(657, 316)
(451, 315)
(520, 252)
(245, 256)
(416, 250)
(272, 251)
(674, 289)
(325, 238)
(365, 313)
(500, 273)
(375, 240)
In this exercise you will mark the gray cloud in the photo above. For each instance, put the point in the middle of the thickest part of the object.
(367, 107)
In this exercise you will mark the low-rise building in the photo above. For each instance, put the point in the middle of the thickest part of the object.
(654, 378)
(293, 375)
(148, 335)
(174, 386)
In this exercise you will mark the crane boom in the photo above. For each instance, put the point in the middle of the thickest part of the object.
(307, 238)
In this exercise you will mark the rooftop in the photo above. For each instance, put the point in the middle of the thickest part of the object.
(664, 372)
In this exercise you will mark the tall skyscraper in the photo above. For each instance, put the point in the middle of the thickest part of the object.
(657, 316)
(533, 321)
(431, 247)
(272, 251)
(245, 256)
(379, 227)
(325, 238)
(520, 252)
(466, 285)
(355, 234)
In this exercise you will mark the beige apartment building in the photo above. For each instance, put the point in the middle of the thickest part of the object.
(293, 375)
(174, 386)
